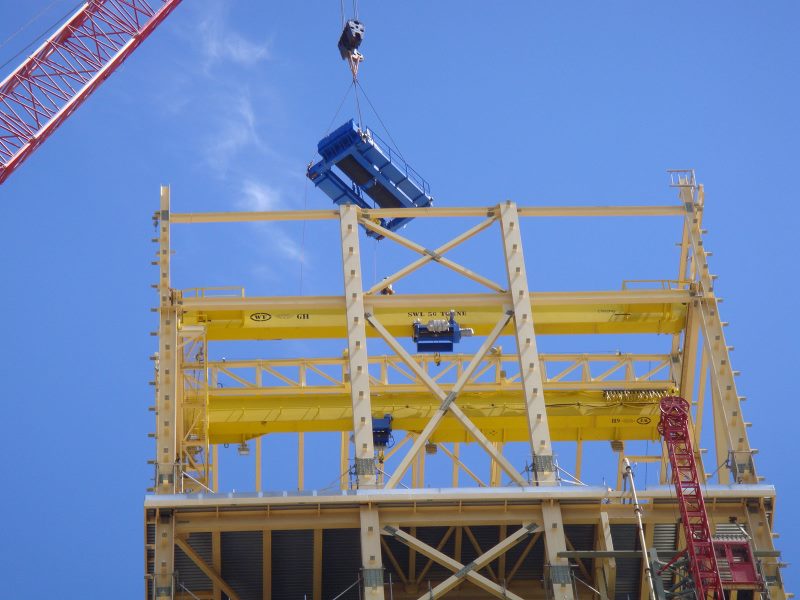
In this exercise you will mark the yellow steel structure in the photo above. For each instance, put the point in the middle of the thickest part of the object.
(508, 533)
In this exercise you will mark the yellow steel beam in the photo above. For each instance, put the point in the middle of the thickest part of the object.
(586, 416)
(316, 317)
(468, 211)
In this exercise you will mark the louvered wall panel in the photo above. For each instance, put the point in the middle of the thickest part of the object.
(582, 537)
(292, 564)
(626, 537)
(189, 574)
(242, 562)
(341, 562)
(533, 565)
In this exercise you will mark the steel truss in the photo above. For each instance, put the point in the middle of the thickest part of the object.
(489, 398)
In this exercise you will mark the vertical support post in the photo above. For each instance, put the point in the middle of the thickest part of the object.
(301, 459)
(216, 560)
(606, 569)
(372, 565)
(701, 398)
(317, 584)
(495, 472)
(456, 453)
(720, 432)
(578, 458)
(529, 365)
(621, 464)
(555, 542)
(533, 390)
(167, 364)
(357, 348)
(690, 345)
(215, 462)
(266, 564)
(167, 376)
(258, 463)
(344, 459)
(164, 555)
(459, 534)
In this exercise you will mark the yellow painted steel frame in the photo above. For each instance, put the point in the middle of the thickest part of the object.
(490, 397)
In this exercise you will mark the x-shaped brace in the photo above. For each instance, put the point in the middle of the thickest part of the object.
(448, 404)
(431, 255)
(468, 571)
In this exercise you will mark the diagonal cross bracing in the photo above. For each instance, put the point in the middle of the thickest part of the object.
(429, 255)
(469, 571)
(448, 401)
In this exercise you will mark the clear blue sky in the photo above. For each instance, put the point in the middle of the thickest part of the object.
(541, 102)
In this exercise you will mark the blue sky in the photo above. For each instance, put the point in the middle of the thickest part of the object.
(543, 103)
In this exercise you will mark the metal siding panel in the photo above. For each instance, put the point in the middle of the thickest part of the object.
(432, 536)
(341, 562)
(292, 564)
(626, 537)
(242, 566)
(189, 574)
(533, 566)
(582, 537)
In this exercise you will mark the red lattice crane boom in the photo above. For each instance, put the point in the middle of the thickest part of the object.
(45, 89)
(674, 427)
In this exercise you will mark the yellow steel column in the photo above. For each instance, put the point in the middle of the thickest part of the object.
(344, 460)
(166, 405)
(357, 348)
(259, 450)
(372, 566)
(266, 564)
(216, 561)
(371, 553)
(301, 460)
(316, 592)
(531, 376)
(529, 366)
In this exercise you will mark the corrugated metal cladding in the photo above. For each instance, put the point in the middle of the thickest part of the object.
(341, 562)
(665, 540)
(189, 574)
(532, 568)
(629, 570)
(293, 565)
(242, 562)
(486, 536)
(582, 537)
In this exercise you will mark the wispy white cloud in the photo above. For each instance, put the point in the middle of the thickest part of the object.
(221, 43)
(233, 130)
(258, 196)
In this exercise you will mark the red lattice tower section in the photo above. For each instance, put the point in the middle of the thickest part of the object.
(81, 54)
(674, 427)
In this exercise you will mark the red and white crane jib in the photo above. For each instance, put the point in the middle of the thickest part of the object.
(47, 87)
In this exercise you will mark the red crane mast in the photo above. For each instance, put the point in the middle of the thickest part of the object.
(674, 427)
(47, 87)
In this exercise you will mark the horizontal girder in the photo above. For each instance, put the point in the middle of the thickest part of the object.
(588, 396)
(318, 317)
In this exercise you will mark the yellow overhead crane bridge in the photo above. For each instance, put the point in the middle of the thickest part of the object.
(383, 532)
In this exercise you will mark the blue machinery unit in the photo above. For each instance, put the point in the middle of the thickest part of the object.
(382, 432)
(373, 169)
(439, 335)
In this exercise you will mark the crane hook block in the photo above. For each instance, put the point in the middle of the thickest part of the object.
(351, 38)
(374, 171)
(439, 335)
